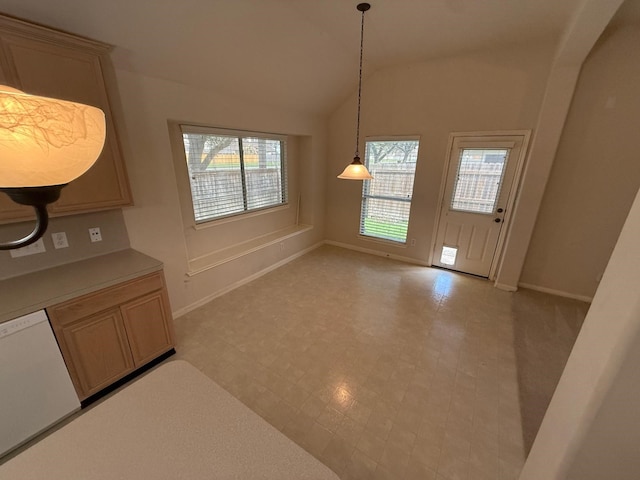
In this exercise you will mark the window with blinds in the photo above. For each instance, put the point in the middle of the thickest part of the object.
(231, 173)
(386, 200)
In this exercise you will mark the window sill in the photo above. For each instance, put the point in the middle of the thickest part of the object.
(382, 241)
(211, 260)
(240, 216)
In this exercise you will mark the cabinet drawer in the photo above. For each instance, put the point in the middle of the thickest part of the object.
(80, 307)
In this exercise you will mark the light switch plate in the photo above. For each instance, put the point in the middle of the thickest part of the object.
(59, 240)
(36, 247)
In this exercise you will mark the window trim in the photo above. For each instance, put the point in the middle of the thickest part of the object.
(183, 128)
(236, 217)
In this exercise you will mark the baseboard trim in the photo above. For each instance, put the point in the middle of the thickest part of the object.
(377, 253)
(505, 287)
(239, 283)
(559, 293)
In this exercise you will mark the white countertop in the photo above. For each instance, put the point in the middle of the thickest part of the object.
(174, 423)
(38, 290)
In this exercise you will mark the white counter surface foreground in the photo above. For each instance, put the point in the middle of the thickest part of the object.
(174, 423)
(38, 290)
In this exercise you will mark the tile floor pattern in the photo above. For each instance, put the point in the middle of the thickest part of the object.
(380, 369)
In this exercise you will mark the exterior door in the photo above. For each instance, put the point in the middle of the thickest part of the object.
(479, 187)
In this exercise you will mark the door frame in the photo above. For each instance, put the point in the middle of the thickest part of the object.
(513, 193)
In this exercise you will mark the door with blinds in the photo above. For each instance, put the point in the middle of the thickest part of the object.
(479, 190)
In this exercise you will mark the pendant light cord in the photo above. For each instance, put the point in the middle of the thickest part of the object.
(360, 84)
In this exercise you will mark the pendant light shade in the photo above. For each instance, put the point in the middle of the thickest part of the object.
(46, 141)
(44, 144)
(356, 169)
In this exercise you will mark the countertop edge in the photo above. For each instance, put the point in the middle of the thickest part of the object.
(42, 289)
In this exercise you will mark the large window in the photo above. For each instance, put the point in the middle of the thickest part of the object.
(386, 200)
(231, 173)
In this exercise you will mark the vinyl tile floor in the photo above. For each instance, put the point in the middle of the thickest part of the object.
(385, 370)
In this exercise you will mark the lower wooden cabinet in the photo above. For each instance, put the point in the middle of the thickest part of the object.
(145, 322)
(99, 350)
(108, 334)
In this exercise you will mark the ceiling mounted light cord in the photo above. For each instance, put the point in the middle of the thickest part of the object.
(363, 7)
(356, 170)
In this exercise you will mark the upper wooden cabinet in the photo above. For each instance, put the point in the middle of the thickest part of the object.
(46, 62)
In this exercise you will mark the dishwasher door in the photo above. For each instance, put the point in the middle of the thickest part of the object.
(35, 388)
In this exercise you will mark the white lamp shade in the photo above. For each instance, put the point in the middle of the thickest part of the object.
(45, 141)
(355, 171)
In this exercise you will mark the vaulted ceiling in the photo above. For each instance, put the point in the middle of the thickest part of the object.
(299, 54)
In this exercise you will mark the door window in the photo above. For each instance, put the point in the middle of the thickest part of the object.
(478, 180)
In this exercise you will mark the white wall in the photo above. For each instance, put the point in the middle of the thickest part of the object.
(496, 90)
(155, 223)
(590, 430)
(76, 227)
(611, 447)
(595, 175)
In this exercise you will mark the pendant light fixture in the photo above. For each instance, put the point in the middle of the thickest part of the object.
(44, 144)
(356, 169)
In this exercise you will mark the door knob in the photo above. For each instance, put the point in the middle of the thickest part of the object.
(497, 220)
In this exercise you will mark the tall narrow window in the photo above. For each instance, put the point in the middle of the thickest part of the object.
(231, 174)
(386, 200)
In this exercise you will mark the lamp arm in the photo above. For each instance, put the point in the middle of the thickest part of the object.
(38, 198)
(42, 221)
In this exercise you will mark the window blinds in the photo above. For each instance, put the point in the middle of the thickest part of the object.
(233, 174)
(386, 200)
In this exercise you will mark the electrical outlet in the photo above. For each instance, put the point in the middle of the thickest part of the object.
(413, 242)
(36, 247)
(59, 240)
(95, 235)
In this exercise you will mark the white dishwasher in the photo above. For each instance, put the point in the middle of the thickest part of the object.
(35, 388)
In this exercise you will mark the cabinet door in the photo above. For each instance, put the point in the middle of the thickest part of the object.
(48, 69)
(147, 326)
(98, 350)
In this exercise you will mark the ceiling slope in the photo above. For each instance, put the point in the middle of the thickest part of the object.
(297, 54)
